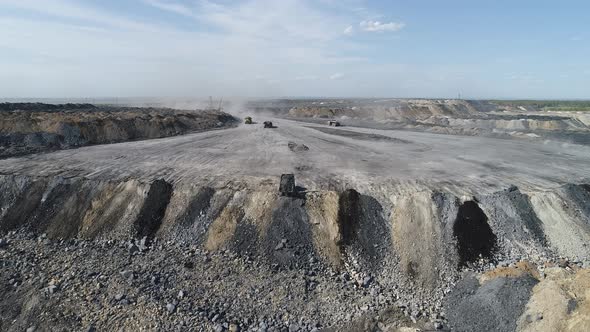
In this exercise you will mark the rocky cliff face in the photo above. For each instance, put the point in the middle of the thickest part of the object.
(345, 229)
(31, 128)
(459, 117)
(400, 110)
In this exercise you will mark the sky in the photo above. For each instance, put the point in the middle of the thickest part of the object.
(298, 48)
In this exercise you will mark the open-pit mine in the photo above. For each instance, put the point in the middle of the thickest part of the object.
(404, 215)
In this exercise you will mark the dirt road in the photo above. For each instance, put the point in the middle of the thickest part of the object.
(347, 156)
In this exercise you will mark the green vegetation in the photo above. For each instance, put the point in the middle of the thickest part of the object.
(549, 105)
(567, 109)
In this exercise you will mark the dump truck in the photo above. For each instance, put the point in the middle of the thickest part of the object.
(268, 124)
(333, 123)
(287, 185)
(248, 120)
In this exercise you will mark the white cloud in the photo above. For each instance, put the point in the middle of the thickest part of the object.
(250, 48)
(376, 26)
(337, 76)
(170, 7)
(348, 30)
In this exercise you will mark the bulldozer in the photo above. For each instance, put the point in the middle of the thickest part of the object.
(248, 120)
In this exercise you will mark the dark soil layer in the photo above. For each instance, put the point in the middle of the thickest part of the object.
(152, 212)
(288, 241)
(475, 238)
(493, 306)
(36, 107)
(362, 227)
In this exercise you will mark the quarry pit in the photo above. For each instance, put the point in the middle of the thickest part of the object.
(392, 230)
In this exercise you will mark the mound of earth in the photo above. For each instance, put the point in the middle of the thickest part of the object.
(31, 128)
(401, 110)
(325, 259)
(456, 117)
(522, 297)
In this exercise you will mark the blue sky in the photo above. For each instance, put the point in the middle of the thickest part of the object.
(263, 48)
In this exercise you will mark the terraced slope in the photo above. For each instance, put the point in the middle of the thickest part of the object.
(449, 116)
(387, 228)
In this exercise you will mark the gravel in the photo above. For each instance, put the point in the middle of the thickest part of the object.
(493, 306)
(70, 285)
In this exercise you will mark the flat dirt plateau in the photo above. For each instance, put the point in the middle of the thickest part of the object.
(387, 230)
